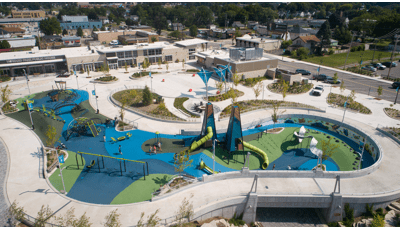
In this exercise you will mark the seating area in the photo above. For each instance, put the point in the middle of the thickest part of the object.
(199, 108)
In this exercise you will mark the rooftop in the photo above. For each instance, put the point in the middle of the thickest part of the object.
(256, 39)
(191, 42)
(308, 38)
(12, 29)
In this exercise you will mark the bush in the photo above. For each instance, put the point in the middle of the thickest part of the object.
(379, 211)
(331, 52)
(348, 220)
(147, 96)
(109, 78)
(237, 221)
(379, 221)
(369, 210)
(333, 224)
(4, 78)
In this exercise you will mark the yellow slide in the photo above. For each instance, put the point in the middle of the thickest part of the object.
(208, 169)
(198, 143)
(259, 151)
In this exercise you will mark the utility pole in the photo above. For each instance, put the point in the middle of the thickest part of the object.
(348, 52)
(95, 94)
(391, 59)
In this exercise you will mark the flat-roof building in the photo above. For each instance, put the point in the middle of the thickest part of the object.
(248, 41)
(28, 14)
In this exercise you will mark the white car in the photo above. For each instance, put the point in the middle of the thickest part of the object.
(318, 90)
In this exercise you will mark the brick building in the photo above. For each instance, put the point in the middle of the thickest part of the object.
(28, 14)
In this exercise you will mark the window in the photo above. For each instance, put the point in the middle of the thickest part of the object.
(168, 58)
(128, 54)
(144, 52)
(120, 55)
(110, 54)
(192, 50)
(192, 57)
(135, 53)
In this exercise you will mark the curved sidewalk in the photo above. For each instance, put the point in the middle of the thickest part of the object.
(26, 184)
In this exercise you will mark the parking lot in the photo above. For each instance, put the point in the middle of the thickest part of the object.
(352, 82)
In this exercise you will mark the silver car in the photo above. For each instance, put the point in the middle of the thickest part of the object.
(369, 68)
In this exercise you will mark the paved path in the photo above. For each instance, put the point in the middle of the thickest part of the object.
(4, 203)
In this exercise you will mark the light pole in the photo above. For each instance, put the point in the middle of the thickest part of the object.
(27, 81)
(76, 78)
(214, 154)
(362, 153)
(352, 35)
(95, 94)
(345, 106)
(397, 90)
(29, 106)
(62, 179)
(151, 81)
(263, 91)
(394, 49)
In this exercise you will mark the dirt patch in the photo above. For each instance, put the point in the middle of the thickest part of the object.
(275, 130)
(148, 108)
(377, 99)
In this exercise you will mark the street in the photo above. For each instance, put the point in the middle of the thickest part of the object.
(351, 82)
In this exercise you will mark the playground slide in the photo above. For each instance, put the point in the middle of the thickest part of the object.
(260, 152)
(93, 129)
(208, 169)
(198, 143)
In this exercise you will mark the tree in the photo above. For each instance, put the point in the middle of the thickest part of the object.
(79, 32)
(335, 20)
(185, 211)
(237, 34)
(335, 78)
(285, 87)
(219, 85)
(15, 213)
(193, 30)
(126, 67)
(159, 62)
(183, 63)
(153, 39)
(175, 34)
(50, 26)
(286, 44)
(95, 29)
(4, 44)
(232, 95)
(236, 79)
(65, 32)
(378, 221)
(103, 28)
(147, 96)
(160, 23)
(342, 87)
(182, 161)
(257, 88)
(5, 93)
(42, 217)
(275, 112)
(302, 53)
(112, 219)
(146, 63)
(52, 137)
(325, 34)
(342, 34)
(106, 68)
(380, 90)
(352, 95)
(124, 103)
(69, 219)
(328, 148)
(152, 220)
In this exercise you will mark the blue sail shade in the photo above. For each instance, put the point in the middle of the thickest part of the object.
(205, 75)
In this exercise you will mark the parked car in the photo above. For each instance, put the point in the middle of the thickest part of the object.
(396, 84)
(303, 72)
(331, 81)
(387, 64)
(369, 68)
(320, 77)
(317, 91)
(379, 66)
(65, 74)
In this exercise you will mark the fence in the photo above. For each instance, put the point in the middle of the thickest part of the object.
(140, 112)
(269, 106)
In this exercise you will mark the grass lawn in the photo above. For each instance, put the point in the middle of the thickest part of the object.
(70, 173)
(336, 60)
(39, 120)
(178, 103)
(275, 144)
(23, 99)
(141, 190)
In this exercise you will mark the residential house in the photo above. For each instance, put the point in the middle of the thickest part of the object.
(134, 18)
(71, 41)
(309, 42)
(334, 42)
(169, 22)
(211, 26)
(104, 19)
(311, 31)
(298, 31)
(252, 24)
(239, 25)
(316, 23)
(262, 30)
(177, 26)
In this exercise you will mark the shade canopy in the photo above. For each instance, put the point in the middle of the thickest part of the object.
(205, 75)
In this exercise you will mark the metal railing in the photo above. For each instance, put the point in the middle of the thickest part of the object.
(269, 106)
(141, 112)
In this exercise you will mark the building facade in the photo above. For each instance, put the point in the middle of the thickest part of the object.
(72, 23)
(28, 14)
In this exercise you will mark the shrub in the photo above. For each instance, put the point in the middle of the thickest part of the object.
(237, 221)
(147, 96)
(348, 220)
(333, 224)
(369, 210)
(379, 211)
(379, 221)
(331, 52)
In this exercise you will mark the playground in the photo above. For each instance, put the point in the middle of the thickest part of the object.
(124, 168)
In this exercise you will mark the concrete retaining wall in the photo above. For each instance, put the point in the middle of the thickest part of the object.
(224, 208)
